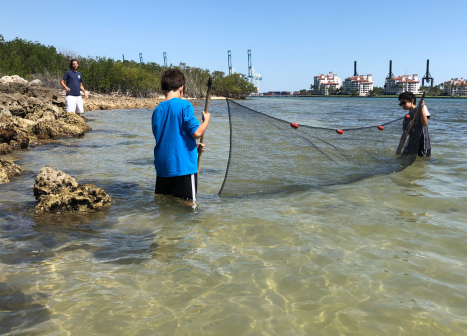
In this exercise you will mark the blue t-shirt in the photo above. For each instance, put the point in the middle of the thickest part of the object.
(73, 80)
(173, 123)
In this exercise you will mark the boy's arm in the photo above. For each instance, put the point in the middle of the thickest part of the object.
(202, 128)
(423, 116)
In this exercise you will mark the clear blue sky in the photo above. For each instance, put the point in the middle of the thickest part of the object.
(291, 41)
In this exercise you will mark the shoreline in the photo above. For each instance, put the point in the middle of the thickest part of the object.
(349, 96)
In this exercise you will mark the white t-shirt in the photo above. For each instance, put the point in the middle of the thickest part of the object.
(425, 109)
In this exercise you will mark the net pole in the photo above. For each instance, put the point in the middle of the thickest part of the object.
(206, 108)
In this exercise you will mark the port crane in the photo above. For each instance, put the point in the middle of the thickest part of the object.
(229, 55)
(254, 77)
(427, 76)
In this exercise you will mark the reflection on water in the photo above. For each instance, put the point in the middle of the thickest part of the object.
(383, 256)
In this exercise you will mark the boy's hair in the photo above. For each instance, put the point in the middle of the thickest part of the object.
(71, 63)
(172, 79)
(408, 96)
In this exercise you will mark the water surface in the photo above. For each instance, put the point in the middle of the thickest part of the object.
(382, 256)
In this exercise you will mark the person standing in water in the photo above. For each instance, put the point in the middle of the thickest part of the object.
(175, 130)
(72, 82)
(407, 101)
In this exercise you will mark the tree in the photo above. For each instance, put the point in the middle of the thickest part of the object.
(355, 93)
(377, 91)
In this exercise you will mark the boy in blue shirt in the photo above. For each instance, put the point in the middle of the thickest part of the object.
(176, 129)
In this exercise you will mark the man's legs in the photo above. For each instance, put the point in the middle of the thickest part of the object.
(71, 103)
(79, 105)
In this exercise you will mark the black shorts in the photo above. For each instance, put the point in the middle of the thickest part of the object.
(184, 186)
(421, 148)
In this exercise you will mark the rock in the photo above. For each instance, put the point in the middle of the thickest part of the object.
(5, 113)
(24, 123)
(57, 192)
(70, 126)
(13, 79)
(5, 148)
(8, 170)
(6, 79)
(35, 82)
(15, 137)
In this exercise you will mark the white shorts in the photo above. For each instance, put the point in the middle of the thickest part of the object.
(74, 104)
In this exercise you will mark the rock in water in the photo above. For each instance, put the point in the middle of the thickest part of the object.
(57, 191)
(8, 170)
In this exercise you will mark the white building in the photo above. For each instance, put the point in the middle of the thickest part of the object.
(363, 84)
(323, 83)
(456, 87)
(397, 85)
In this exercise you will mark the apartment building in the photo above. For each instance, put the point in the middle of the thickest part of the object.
(456, 87)
(397, 85)
(363, 84)
(324, 83)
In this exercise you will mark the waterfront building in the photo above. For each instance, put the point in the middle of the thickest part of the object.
(397, 85)
(324, 83)
(456, 87)
(363, 84)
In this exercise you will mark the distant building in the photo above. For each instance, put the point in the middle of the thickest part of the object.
(397, 85)
(363, 84)
(323, 84)
(456, 87)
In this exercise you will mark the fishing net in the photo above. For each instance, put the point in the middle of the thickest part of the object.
(268, 155)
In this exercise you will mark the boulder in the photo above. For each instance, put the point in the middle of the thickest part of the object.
(35, 82)
(5, 148)
(13, 79)
(14, 136)
(59, 192)
(8, 170)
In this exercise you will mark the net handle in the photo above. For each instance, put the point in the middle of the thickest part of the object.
(206, 108)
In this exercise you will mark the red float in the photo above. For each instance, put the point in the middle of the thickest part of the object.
(294, 125)
(381, 127)
(340, 131)
(407, 116)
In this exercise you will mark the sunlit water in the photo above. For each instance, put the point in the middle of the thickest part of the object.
(383, 256)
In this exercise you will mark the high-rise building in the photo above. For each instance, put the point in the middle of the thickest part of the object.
(324, 83)
(397, 85)
(363, 84)
(456, 87)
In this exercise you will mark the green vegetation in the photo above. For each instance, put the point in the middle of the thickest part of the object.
(105, 75)
(377, 91)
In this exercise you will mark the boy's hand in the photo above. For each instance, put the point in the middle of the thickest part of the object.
(201, 147)
(206, 116)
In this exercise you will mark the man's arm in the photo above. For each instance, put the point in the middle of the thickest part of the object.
(62, 82)
(202, 128)
(81, 87)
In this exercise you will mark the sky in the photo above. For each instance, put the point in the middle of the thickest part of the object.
(291, 41)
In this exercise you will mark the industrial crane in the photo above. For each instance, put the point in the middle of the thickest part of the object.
(252, 75)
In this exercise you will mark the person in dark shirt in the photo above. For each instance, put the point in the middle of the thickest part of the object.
(408, 102)
(72, 82)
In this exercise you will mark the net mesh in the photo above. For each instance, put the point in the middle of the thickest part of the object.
(267, 155)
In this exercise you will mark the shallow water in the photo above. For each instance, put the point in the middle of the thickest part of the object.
(382, 256)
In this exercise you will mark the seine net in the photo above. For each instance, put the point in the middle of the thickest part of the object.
(268, 155)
